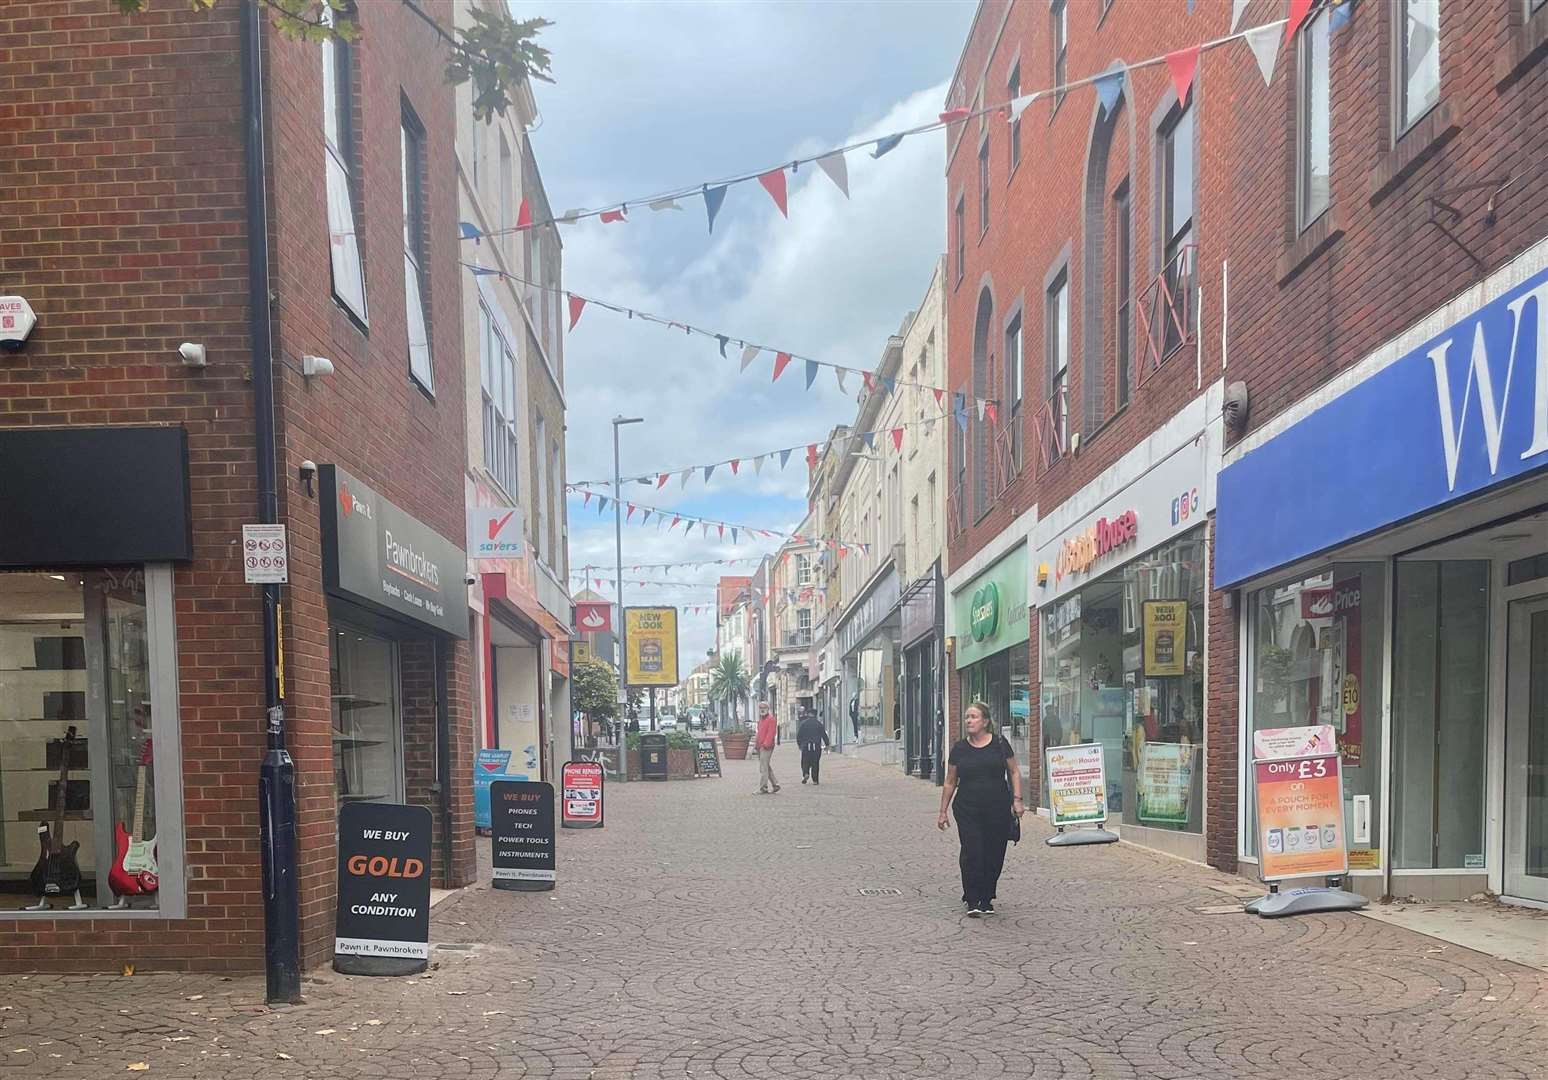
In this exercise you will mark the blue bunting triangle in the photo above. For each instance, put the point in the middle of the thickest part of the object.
(723, 340)
(468, 230)
(713, 197)
(891, 383)
(784, 457)
(886, 145)
(1339, 17)
(811, 373)
(601, 504)
(1109, 87)
(870, 439)
(708, 470)
(482, 271)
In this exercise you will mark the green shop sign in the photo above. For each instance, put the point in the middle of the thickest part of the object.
(989, 613)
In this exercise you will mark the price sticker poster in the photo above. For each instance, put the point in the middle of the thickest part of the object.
(1300, 818)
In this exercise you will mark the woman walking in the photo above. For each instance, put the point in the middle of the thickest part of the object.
(983, 789)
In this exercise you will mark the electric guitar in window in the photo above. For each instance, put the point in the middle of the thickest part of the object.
(57, 873)
(134, 870)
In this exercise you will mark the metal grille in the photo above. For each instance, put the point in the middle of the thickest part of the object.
(881, 892)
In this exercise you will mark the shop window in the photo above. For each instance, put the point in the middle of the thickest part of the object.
(343, 181)
(1440, 713)
(367, 728)
(1529, 569)
(1110, 676)
(416, 285)
(1316, 658)
(88, 742)
(1417, 71)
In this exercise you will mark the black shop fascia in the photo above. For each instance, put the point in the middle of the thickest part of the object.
(397, 594)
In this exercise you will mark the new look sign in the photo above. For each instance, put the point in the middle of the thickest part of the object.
(1448, 417)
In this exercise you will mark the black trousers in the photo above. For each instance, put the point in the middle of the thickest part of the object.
(984, 833)
(811, 765)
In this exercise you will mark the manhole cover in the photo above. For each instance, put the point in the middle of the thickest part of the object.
(881, 892)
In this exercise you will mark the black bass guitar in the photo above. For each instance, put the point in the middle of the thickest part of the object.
(57, 873)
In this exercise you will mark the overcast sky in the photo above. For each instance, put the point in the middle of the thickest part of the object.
(652, 96)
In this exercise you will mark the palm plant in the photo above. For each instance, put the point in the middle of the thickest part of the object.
(729, 681)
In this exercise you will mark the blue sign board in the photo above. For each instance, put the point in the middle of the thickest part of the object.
(1463, 412)
(489, 767)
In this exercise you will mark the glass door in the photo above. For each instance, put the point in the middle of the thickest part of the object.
(1526, 751)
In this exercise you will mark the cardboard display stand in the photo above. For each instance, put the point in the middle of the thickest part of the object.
(522, 835)
(1077, 795)
(382, 926)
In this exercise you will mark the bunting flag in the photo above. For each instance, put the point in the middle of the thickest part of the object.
(466, 230)
(758, 464)
(1019, 105)
(1237, 8)
(645, 520)
(736, 464)
(780, 361)
(484, 271)
(524, 215)
(953, 116)
(1298, 12)
(991, 412)
(897, 438)
(841, 374)
(811, 456)
(1109, 89)
(610, 216)
(886, 145)
(1264, 43)
(709, 470)
(1182, 64)
(675, 519)
(749, 354)
(601, 503)
(713, 198)
(784, 458)
(811, 373)
(940, 396)
(890, 382)
(1342, 12)
(870, 382)
(733, 540)
(869, 438)
(723, 339)
(722, 530)
(773, 182)
(661, 481)
(665, 204)
(577, 305)
(630, 516)
(836, 169)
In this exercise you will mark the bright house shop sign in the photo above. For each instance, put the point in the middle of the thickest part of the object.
(985, 611)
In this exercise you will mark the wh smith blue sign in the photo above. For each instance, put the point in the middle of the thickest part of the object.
(1466, 410)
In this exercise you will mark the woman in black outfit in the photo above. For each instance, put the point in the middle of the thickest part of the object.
(976, 776)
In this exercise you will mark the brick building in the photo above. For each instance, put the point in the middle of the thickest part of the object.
(124, 222)
(1213, 331)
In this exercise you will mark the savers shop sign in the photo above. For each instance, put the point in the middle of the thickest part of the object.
(383, 921)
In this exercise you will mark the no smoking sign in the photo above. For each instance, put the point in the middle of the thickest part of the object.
(265, 555)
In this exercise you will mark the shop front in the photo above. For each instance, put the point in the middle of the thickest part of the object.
(397, 602)
(990, 649)
(871, 660)
(923, 625)
(1388, 541)
(1121, 595)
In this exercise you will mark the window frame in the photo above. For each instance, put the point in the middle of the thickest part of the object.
(1173, 236)
(1059, 39)
(1013, 140)
(983, 186)
(1401, 124)
(416, 277)
(497, 398)
(1123, 302)
(959, 215)
(341, 151)
(1056, 317)
(1306, 213)
(1013, 352)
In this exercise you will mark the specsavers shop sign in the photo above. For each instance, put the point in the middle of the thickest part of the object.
(380, 555)
(989, 613)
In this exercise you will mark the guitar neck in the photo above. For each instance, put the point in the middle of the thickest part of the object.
(60, 796)
(139, 804)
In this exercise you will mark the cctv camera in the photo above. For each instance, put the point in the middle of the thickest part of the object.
(193, 355)
(316, 365)
(470, 578)
(308, 471)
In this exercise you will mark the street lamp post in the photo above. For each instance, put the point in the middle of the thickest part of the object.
(623, 628)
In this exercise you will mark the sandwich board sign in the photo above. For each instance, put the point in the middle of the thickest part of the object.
(1077, 794)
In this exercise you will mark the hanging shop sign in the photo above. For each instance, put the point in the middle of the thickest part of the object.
(383, 922)
(489, 766)
(16, 322)
(1301, 810)
(1077, 785)
(869, 612)
(1425, 420)
(918, 607)
(989, 613)
(706, 758)
(495, 532)
(378, 554)
(651, 635)
(522, 835)
(1165, 637)
(582, 784)
(593, 616)
(1165, 783)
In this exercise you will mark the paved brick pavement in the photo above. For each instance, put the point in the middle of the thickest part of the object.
(711, 932)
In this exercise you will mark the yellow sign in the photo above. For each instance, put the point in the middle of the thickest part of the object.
(1166, 638)
(1364, 859)
(580, 651)
(651, 634)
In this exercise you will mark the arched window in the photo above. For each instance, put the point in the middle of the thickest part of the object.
(983, 387)
(1105, 308)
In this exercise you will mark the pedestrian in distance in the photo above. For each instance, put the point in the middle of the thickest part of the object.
(811, 737)
(983, 791)
(764, 744)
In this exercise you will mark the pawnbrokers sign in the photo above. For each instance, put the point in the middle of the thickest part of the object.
(651, 634)
(380, 555)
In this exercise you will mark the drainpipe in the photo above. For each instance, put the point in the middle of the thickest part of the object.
(277, 775)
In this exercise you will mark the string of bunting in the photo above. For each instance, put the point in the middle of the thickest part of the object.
(690, 521)
(895, 434)
(667, 565)
(749, 351)
(1265, 42)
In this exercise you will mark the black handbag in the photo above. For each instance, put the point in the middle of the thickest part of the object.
(1015, 829)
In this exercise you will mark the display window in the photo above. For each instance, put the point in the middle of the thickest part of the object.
(367, 719)
(1123, 666)
(1316, 657)
(89, 802)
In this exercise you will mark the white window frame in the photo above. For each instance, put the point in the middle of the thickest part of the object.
(1314, 98)
(344, 261)
(416, 312)
(1402, 115)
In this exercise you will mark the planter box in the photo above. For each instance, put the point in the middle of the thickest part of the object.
(679, 764)
(733, 745)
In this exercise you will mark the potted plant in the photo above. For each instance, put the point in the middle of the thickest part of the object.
(734, 743)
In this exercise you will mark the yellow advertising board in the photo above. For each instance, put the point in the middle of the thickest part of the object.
(651, 636)
(1166, 637)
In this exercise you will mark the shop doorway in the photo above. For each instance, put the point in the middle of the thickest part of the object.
(1526, 750)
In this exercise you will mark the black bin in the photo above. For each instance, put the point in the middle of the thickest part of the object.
(653, 756)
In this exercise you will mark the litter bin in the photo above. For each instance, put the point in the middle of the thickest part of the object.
(653, 756)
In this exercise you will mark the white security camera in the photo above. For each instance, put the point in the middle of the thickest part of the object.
(193, 355)
(308, 471)
(316, 365)
(470, 578)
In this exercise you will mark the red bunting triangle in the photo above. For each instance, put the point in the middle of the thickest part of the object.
(1298, 12)
(577, 305)
(870, 382)
(610, 216)
(773, 182)
(951, 116)
(940, 395)
(722, 529)
(675, 520)
(661, 480)
(631, 512)
(897, 438)
(597, 582)
(735, 464)
(991, 412)
(587, 500)
(524, 216)
(780, 362)
(811, 455)
(1182, 64)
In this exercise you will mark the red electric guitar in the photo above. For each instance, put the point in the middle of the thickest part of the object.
(134, 870)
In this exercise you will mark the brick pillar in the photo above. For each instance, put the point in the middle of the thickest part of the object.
(1222, 726)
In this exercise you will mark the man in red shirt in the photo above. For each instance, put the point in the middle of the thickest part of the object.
(764, 743)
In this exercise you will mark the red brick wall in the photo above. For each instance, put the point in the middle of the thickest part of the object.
(1223, 695)
(122, 219)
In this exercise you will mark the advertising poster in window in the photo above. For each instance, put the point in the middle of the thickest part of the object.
(1165, 782)
(1346, 620)
(1166, 638)
(1077, 784)
(651, 633)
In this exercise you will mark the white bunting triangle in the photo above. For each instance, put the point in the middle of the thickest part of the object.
(1019, 105)
(758, 465)
(1237, 7)
(686, 474)
(665, 204)
(1264, 43)
(749, 354)
(837, 169)
(841, 374)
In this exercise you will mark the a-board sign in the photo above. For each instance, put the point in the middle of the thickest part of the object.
(1077, 785)
(489, 766)
(581, 782)
(1301, 810)
(521, 816)
(383, 921)
(706, 758)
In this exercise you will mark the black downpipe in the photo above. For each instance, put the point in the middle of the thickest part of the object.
(443, 757)
(277, 776)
